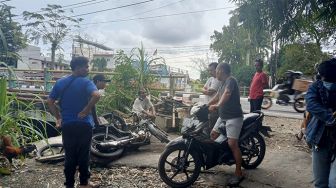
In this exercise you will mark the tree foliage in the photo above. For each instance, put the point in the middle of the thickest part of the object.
(142, 62)
(237, 45)
(300, 57)
(12, 38)
(243, 74)
(50, 25)
(99, 64)
(290, 20)
(131, 73)
(202, 66)
(122, 91)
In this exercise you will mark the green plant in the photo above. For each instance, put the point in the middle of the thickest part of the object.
(15, 121)
(131, 73)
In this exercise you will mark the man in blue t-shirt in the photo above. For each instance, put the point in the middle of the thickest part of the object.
(76, 96)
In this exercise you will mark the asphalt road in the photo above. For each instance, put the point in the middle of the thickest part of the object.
(276, 110)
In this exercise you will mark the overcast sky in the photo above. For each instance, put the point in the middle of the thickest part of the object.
(178, 38)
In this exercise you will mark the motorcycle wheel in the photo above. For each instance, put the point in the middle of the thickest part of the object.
(175, 171)
(253, 151)
(299, 105)
(111, 153)
(266, 103)
(158, 133)
(52, 153)
(117, 121)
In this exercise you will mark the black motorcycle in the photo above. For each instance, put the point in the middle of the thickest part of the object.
(110, 139)
(180, 163)
(110, 142)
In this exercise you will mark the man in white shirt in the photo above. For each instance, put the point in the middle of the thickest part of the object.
(143, 106)
(211, 86)
(209, 90)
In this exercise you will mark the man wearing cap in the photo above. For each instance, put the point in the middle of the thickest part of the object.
(100, 81)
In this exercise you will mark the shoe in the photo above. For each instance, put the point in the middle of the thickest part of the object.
(235, 181)
(89, 185)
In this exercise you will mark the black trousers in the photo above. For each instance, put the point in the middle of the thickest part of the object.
(76, 142)
(255, 104)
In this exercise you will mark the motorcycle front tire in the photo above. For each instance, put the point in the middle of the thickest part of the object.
(266, 103)
(255, 140)
(164, 159)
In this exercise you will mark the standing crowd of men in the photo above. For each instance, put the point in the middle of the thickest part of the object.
(77, 96)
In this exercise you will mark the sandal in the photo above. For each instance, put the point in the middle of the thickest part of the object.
(299, 136)
(235, 180)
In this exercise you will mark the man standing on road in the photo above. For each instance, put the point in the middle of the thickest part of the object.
(259, 82)
(76, 96)
(209, 90)
(227, 101)
(321, 129)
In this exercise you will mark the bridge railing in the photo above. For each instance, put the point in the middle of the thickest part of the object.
(25, 82)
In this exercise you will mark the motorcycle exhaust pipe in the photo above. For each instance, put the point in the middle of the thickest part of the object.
(117, 143)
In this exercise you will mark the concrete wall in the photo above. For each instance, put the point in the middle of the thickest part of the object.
(25, 54)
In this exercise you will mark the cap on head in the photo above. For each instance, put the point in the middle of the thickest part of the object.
(100, 77)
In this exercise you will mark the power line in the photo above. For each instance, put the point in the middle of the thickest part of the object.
(157, 16)
(68, 7)
(124, 6)
(87, 4)
(78, 3)
(157, 8)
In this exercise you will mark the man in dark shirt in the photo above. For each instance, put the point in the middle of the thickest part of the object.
(76, 96)
(227, 101)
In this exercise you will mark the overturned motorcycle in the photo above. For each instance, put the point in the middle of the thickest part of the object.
(180, 163)
(110, 142)
(110, 139)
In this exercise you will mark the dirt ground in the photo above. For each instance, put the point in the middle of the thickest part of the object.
(281, 162)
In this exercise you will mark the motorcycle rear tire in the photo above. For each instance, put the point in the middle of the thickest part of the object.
(164, 159)
(297, 103)
(55, 149)
(159, 134)
(260, 154)
(266, 103)
(118, 122)
(113, 153)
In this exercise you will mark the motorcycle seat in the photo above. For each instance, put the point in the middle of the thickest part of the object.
(249, 118)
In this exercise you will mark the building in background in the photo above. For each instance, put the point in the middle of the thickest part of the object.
(31, 59)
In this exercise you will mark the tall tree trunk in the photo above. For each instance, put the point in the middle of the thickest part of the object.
(248, 53)
(53, 51)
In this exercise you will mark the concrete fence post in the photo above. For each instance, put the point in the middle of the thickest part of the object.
(47, 79)
(11, 79)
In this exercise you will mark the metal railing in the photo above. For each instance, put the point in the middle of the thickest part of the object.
(46, 78)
